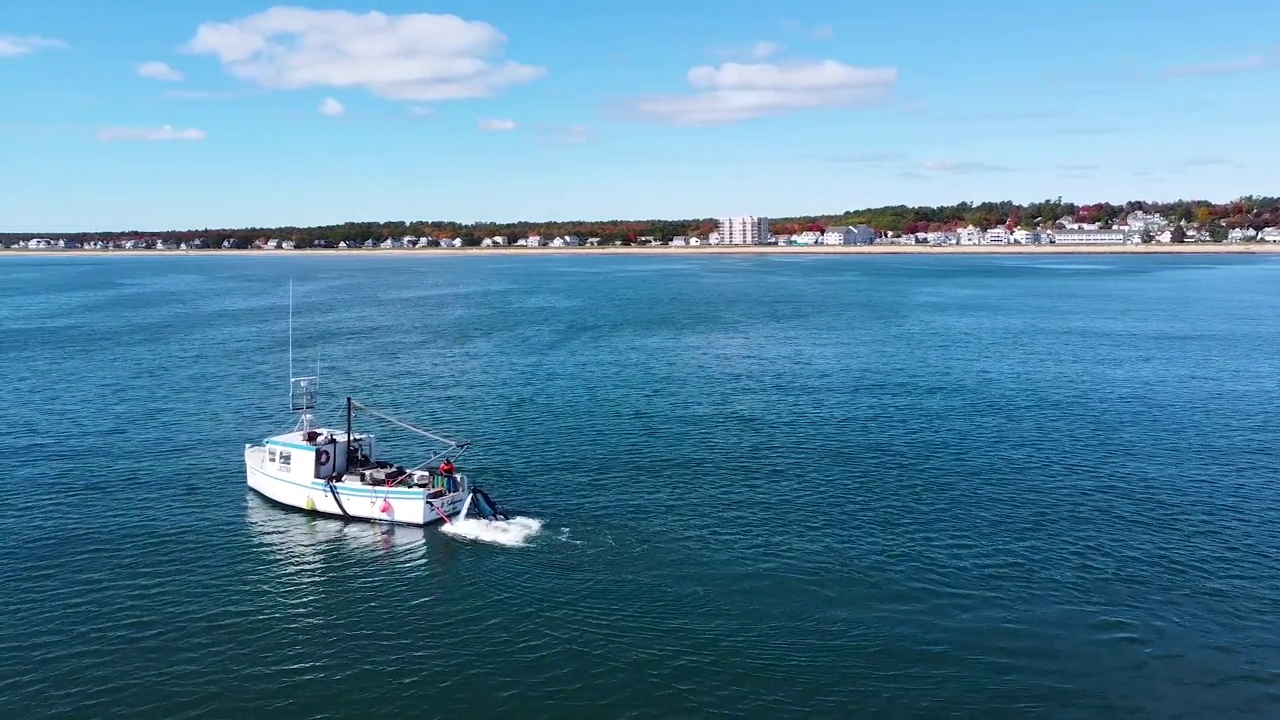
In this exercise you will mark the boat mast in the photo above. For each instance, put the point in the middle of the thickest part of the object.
(302, 390)
(349, 439)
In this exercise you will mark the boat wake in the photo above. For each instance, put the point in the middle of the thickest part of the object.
(515, 532)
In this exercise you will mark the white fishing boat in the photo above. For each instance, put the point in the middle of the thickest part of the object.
(336, 471)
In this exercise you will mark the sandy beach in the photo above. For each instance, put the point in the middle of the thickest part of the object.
(1153, 249)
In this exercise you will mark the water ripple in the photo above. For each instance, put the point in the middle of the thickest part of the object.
(920, 487)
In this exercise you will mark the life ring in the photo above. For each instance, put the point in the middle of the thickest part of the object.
(323, 457)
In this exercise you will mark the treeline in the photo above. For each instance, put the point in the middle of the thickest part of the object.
(1253, 212)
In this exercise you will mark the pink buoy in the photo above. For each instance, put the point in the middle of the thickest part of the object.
(385, 507)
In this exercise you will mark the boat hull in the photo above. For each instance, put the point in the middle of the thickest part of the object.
(409, 506)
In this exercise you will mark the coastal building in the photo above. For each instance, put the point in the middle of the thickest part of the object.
(594, 241)
(534, 241)
(1271, 234)
(566, 241)
(1140, 221)
(998, 235)
(695, 241)
(970, 235)
(849, 235)
(808, 237)
(748, 230)
(1023, 236)
(1088, 237)
(680, 241)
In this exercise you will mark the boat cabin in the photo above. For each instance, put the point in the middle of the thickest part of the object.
(318, 453)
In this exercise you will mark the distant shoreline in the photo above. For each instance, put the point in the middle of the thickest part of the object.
(1149, 249)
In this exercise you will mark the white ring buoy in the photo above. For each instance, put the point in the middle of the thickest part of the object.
(323, 457)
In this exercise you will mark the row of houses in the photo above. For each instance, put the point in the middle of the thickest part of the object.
(1138, 227)
(1119, 235)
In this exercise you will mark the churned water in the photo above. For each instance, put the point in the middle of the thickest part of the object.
(977, 487)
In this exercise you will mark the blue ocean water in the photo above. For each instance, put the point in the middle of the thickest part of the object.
(971, 487)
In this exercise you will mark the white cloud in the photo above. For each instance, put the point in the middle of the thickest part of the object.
(496, 124)
(157, 70)
(733, 91)
(765, 50)
(167, 132)
(332, 108)
(566, 134)
(953, 167)
(14, 46)
(419, 111)
(1245, 64)
(399, 57)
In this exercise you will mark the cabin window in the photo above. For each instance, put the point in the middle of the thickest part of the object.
(286, 458)
(271, 454)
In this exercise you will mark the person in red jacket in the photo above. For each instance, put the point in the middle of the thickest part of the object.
(446, 467)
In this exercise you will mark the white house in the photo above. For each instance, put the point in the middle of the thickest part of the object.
(1088, 237)
(1239, 235)
(713, 238)
(847, 235)
(1022, 236)
(680, 241)
(998, 235)
(1139, 221)
(566, 241)
(594, 241)
(456, 242)
(1271, 234)
(534, 241)
(969, 236)
(695, 241)
(808, 237)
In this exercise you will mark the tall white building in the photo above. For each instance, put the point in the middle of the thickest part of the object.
(750, 230)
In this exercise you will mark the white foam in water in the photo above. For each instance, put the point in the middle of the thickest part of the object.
(511, 533)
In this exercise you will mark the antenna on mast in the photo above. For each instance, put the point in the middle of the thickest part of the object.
(302, 390)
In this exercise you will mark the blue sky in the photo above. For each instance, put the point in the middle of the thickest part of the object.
(136, 114)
